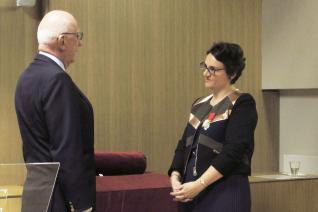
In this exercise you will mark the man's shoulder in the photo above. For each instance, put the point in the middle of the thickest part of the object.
(42, 67)
(43, 62)
(40, 74)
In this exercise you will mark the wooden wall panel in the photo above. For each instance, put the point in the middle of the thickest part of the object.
(139, 67)
(291, 196)
(17, 48)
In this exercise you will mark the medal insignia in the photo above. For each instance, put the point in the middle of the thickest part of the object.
(208, 121)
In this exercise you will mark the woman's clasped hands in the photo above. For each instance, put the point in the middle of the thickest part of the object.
(185, 192)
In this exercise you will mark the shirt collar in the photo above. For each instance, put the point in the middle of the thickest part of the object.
(55, 59)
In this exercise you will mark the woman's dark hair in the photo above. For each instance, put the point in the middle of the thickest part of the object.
(231, 55)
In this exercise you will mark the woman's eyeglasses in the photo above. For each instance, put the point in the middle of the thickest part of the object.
(211, 69)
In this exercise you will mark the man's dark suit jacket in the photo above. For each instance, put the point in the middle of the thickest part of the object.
(56, 125)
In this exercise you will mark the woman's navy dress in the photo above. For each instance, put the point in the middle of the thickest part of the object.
(232, 192)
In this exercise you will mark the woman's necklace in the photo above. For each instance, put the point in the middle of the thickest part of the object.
(205, 125)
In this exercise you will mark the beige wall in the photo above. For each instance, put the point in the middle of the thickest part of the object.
(139, 67)
(17, 48)
(289, 44)
(298, 129)
(289, 63)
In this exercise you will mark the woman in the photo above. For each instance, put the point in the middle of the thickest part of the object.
(212, 161)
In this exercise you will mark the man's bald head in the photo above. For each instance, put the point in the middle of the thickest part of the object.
(53, 24)
(59, 35)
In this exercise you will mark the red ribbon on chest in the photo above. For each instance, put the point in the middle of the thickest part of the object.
(211, 117)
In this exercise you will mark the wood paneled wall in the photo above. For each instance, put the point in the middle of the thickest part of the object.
(279, 196)
(139, 66)
(17, 48)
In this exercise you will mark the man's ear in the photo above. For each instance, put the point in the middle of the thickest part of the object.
(60, 42)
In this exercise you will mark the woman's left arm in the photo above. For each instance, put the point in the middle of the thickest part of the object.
(239, 136)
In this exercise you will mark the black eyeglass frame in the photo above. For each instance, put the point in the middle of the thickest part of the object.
(79, 35)
(211, 69)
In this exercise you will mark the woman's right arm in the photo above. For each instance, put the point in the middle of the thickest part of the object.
(177, 165)
(175, 180)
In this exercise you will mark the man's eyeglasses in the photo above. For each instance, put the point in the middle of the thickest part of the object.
(211, 69)
(79, 35)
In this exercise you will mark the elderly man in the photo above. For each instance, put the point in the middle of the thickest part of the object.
(55, 117)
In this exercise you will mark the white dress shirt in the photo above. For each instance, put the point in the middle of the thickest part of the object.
(55, 59)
